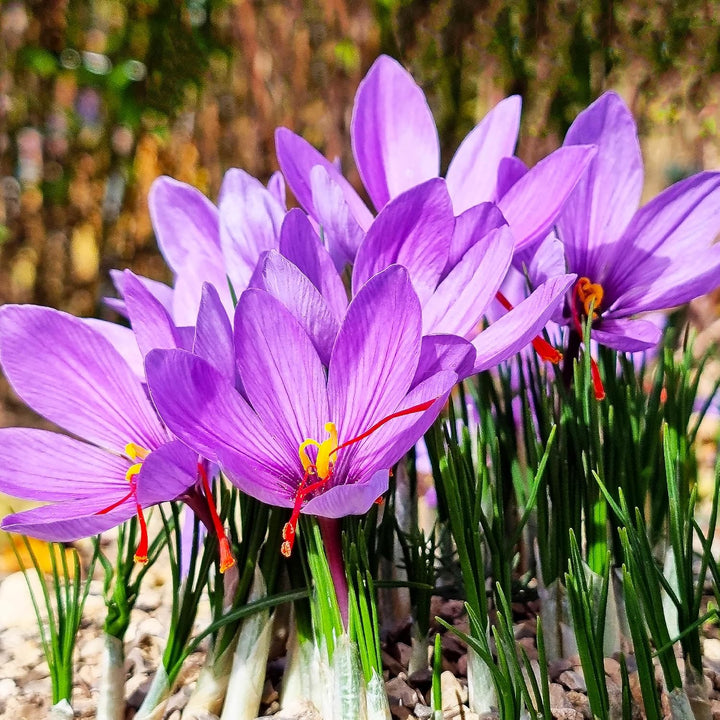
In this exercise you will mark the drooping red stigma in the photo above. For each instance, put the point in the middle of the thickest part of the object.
(226, 558)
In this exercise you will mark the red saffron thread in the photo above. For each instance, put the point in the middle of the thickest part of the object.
(141, 554)
(226, 558)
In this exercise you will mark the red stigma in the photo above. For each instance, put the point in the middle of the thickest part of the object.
(408, 411)
(598, 386)
(141, 554)
(226, 558)
(289, 530)
(546, 351)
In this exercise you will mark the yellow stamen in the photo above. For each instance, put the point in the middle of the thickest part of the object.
(132, 471)
(135, 451)
(324, 450)
(590, 293)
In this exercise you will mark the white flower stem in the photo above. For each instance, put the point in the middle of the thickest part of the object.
(211, 688)
(419, 650)
(247, 676)
(481, 691)
(156, 696)
(111, 698)
(349, 701)
(378, 705)
(301, 672)
(62, 711)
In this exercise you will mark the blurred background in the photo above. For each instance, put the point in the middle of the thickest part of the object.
(99, 97)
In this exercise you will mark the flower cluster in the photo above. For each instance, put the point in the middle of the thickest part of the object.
(303, 352)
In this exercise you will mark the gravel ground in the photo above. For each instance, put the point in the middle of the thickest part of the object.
(25, 683)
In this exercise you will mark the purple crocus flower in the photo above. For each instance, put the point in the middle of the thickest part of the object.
(396, 147)
(126, 459)
(629, 260)
(202, 242)
(456, 266)
(318, 440)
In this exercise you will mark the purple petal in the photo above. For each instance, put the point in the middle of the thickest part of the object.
(351, 499)
(123, 340)
(151, 322)
(473, 224)
(73, 376)
(284, 281)
(203, 267)
(394, 138)
(203, 409)
(444, 352)
(213, 338)
(280, 371)
(115, 304)
(272, 487)
(376, 353)
(514, 331)
(458, 304)
(510, 170)
(250, 220)
(297, 159)
(166, 473)
(341, 230)
(676, 225)
(188, 540)
(184, 220)
(682, 280)
(541, 262)
(276, 187)
(161, 291)
(473, 172)
(44, 465)
(627, 335)
(70, 520)
(414, 230)
(532, 204)
(300, 244)
(390, 442)
(186, 336)
(608, 194)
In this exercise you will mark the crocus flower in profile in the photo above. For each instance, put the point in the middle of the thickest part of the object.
(126, 459)
(320, 441)
(628, 260)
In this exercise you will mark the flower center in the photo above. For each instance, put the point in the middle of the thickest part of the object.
(589, 295)
(588, 299)
(322, 465)
(317, 474)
